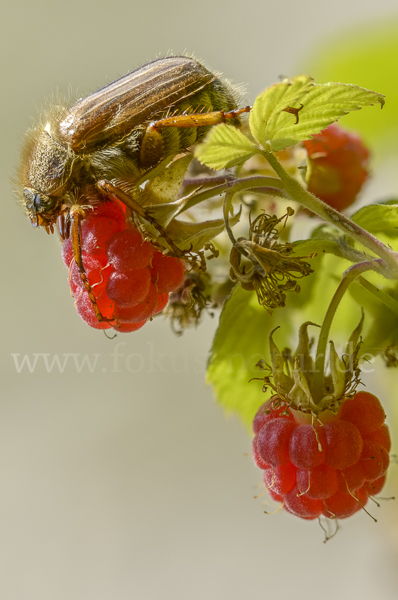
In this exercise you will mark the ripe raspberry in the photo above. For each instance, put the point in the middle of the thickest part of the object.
(129, 278)
(376, 486)
(95, 269)
(381, 436)
(318, 483)
(112, 210)
(162, 302)
(129, 288)
(256, 456)
(301, 505)
(334, 479)
(280, 479)
(270, 410)
(364, 411)
(128, 327)
(128, 251)
(141, 311)
(167, 272)
(343, 444)
(307, 446)
(273, 441)
(67, 252)
(351, 478)
(85, 309)
(343, 504)
(338, 166)
(96, 233)
(374, 460)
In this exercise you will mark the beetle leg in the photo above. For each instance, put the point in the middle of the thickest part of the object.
(76, 216)
(111, 190)
(151, 148)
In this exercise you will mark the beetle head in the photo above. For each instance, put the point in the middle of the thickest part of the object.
(42, 209)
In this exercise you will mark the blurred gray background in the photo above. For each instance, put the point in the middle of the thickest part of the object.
(128, 481)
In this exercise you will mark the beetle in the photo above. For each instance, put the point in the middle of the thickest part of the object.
(110, 138)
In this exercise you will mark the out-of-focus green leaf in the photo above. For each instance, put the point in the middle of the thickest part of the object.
(382, 331)
(378, 218)
(366, 55)
(240, 342)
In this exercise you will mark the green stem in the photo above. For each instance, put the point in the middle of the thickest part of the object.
(349, 276)
(297, 192)
(265, 185)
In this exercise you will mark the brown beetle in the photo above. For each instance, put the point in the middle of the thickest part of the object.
(112, 137)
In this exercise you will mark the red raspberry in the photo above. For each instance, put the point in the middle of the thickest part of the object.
(338, 166)
(364, 411)
(97, 274)
(300, 505)
(127, 251)
(343, 444)
(256, 456)
(351, 478)
(112, 210)
(307, 446)
(273, 441)
(67, 252)
(85, 310)
(334, 481)
(343, 504)
(129, 327)
(129, 288)
(318, 483)
(374, 460)
(381, 436)
(162, 302)
(168, 273)
(270, 410)
(141, 311)
(96, 233)
(376, 486)
(280, 479)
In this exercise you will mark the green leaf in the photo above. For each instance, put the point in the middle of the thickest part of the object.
(240, 342)
(225, 147)
(273, 100)
(319, 106)
(378, 218)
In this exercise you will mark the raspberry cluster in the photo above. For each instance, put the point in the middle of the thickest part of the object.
(338, 166)
(130, 279)
(328, 469)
